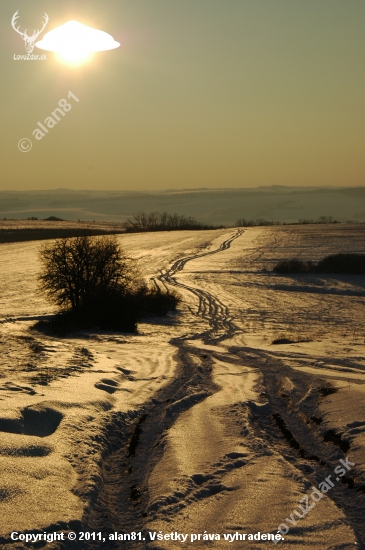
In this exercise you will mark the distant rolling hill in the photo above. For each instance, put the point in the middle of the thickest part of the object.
(212, 206)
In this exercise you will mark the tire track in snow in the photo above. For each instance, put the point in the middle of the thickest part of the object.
(221, 323)
(122, 497)
(124, 501)
(293, 401)
(210, 307)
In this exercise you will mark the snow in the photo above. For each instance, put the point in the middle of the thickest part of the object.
(198, 423)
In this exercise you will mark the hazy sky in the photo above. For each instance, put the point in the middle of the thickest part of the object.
(201, 93)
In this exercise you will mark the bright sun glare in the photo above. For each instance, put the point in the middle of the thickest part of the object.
(74, 56)
(75, 42)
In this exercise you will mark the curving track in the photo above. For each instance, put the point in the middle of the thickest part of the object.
(210, 307)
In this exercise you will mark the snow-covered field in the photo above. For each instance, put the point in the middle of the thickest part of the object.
(199, 425)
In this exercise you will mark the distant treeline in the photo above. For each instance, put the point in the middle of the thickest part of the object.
(162, 221)
(29, 234)
(349, 264)
(321, 219)
(242, 222)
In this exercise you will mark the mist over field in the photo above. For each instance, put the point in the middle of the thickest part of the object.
(213, 206)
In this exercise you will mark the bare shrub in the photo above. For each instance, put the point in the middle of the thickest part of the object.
(347, 264)
(352, 264)
(292, 266)
(76, 271)
(95, 284)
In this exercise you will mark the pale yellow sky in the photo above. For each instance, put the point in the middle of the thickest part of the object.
(201, 93)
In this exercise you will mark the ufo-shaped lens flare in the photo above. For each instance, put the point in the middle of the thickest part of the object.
(75, 41)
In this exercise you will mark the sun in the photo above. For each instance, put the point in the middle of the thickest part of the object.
(74, 56)
(76, 43)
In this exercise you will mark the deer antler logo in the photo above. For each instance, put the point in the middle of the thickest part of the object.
(29, 40)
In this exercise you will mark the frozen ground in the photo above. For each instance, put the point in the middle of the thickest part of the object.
(198, 424)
